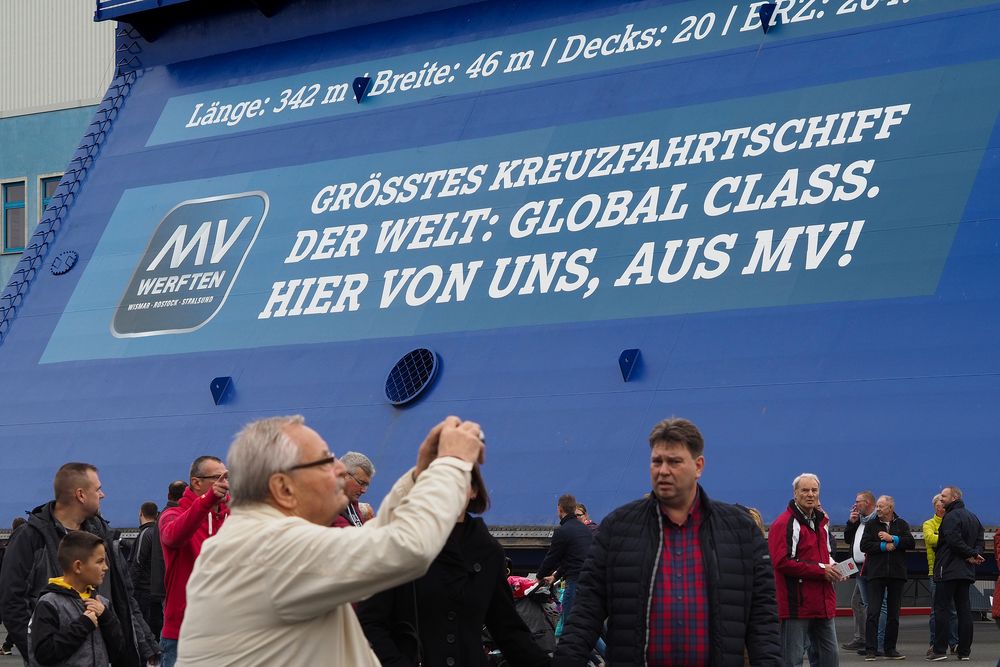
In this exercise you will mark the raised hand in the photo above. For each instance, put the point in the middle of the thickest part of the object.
(428, 450)
(464, 441)
(220, 487)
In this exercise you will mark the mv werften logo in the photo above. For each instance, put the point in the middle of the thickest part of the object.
(190, 265)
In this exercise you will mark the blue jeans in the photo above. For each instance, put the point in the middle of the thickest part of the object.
(952, 625)
(569, 592)
(822, 635)
(169, 648)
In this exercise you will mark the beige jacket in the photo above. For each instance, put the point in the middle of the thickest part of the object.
(270, 589)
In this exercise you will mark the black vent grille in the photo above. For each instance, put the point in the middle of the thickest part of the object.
(411, 376)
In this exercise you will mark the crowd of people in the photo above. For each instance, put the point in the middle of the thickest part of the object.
(270, 557)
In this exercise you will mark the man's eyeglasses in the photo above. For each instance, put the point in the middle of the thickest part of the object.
(363, 485)
(214, 478)
(329, 460)
(579, 515)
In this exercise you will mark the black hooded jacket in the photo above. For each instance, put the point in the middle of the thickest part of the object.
(618, 576)
(30, 562)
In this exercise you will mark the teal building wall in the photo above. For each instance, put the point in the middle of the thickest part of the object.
(34, 146)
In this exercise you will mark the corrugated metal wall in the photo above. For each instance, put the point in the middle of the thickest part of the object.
(53, 55)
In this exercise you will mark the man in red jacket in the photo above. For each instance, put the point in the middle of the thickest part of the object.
(360, 473)
(799, 542)
(183, 529)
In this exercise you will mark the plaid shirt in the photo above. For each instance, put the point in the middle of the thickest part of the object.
(678, 614)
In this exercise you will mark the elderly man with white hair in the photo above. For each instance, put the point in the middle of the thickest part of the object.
(885, 542)
(274, 586)
(360, 473)
(799, 542)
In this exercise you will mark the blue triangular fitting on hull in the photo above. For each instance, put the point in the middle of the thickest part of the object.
(362, 85)
(221, 389)
(627, 362)
(766, 12)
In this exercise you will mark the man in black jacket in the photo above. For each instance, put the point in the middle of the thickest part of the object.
(961, 544)
(680, 578)
(139, 564)
(31, 560)
(885, 541)
(570, 544)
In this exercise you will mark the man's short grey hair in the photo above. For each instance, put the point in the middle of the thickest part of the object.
(354, 460)
(890, 500)
(795, 482)
(955, 491)
(258, 451)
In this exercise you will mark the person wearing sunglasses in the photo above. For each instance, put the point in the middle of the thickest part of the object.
(183, 530)
(276, 585)
(360, 473)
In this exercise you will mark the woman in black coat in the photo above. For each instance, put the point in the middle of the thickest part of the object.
(437, 620)
(885, 541)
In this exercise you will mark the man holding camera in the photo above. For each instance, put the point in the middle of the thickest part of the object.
(183, 529)
(275, 587)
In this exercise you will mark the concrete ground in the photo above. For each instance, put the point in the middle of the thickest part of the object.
(912, 643)
(914, 638)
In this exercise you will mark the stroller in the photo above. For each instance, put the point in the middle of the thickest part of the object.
(539, 607)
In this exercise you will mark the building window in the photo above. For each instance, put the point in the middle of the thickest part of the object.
(47, 189)
(15, 224)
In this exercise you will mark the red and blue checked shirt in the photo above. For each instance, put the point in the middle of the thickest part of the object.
(678, 613)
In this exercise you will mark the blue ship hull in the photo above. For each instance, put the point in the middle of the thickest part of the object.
(796, 229)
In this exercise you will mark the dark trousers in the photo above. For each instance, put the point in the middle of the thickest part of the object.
(944, 593)
(892, 589)
(151, 609)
